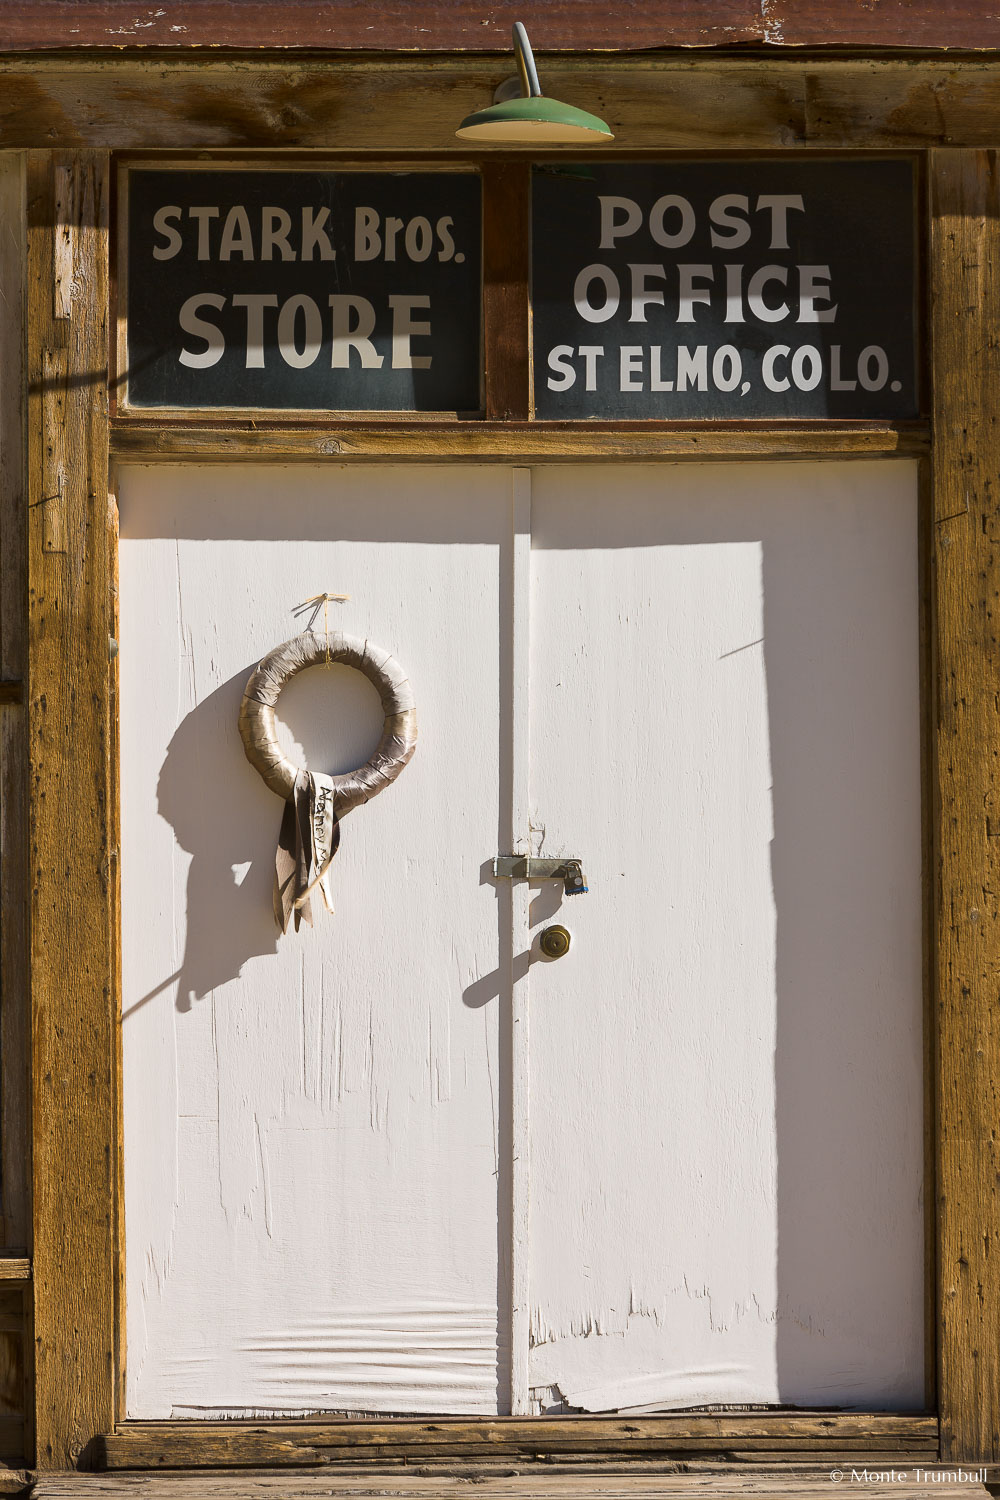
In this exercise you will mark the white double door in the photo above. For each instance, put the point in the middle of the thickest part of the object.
(402, 1162)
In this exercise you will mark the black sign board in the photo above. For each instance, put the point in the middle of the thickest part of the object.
(726, 289)
(348, 291)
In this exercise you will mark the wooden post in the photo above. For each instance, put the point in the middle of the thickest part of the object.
(15, 1197)
(965, 283)
(75, 1148)
(506, 211)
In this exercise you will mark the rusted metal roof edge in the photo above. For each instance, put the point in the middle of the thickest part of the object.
(461, 26)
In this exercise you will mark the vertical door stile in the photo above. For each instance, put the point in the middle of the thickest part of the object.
(518, 843)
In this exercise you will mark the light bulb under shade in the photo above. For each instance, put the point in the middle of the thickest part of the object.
(534, 122)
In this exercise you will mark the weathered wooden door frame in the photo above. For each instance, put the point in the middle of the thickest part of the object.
(81, 108)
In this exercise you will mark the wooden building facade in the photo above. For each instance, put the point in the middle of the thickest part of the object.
(704, 616)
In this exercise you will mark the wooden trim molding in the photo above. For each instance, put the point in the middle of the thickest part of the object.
(521, 442)
(15, 1196)
(742, 1437)
(75, 1152)
(965, 283)
(14, 1270)
(15, 1081)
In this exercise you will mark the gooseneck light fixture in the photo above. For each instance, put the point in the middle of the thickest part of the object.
(526, 117)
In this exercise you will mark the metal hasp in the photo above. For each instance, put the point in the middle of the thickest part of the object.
(526, 867)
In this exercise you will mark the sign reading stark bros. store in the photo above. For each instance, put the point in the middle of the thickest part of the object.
(724, 289)
(350, 291)
(718, 289)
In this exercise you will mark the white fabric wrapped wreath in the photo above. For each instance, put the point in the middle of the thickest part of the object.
(310, 832)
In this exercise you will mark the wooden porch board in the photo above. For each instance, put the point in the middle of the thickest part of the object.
(504, 1482)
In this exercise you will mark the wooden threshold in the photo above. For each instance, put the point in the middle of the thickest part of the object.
(521, 1482)
(750, 1437)
(520, 442)
(505, 1482)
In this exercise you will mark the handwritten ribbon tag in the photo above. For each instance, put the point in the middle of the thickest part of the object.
(309, 838)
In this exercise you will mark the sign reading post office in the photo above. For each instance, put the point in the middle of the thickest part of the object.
(304, 290)
(725, 289)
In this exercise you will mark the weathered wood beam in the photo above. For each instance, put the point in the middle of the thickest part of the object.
(965, 283)
(75, 1150)
(395, 105)
(180, 1445)
(528, 442)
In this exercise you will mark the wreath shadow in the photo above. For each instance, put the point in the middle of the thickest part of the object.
(227, 820)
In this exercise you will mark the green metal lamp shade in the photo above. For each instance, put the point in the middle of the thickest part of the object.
(531, 120)
(534, 121)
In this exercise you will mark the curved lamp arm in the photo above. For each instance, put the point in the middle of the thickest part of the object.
(530, 87)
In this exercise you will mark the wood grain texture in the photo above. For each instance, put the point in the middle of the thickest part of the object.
(502, 1481)
(15, 1193)
(815, 1437)
(71, 943)
(519, 442)
(14, 1480)
(506, 240)
(391, 104)
(965, 272)
(555, 24)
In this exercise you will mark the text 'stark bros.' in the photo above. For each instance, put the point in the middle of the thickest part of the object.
(350, 291)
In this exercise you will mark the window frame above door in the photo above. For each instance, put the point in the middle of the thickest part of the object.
(66, 444)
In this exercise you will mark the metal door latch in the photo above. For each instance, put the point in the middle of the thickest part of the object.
(526, 867)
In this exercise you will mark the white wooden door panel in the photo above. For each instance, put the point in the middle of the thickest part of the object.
(701, 680)
(726, 1069)
(310, 1122)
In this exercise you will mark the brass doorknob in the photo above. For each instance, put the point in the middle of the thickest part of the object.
(554, 941)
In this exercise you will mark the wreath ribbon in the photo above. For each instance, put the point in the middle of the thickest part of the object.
(307, 842)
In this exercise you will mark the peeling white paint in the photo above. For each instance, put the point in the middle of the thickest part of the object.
(771, 22)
